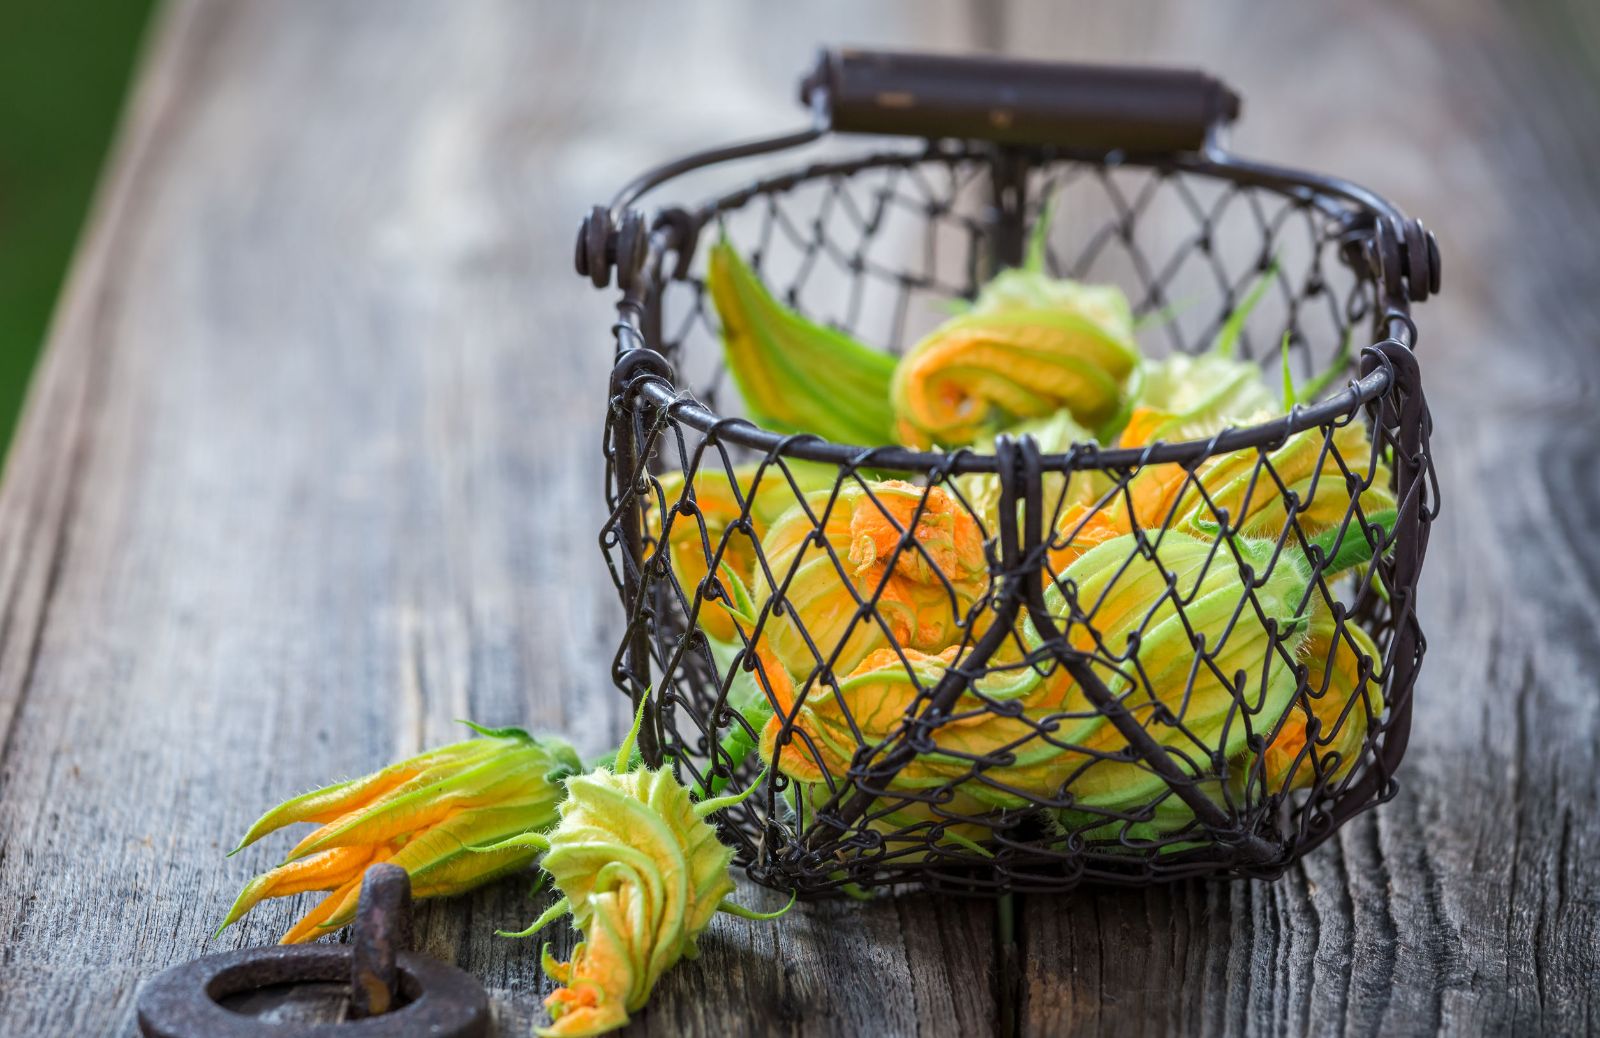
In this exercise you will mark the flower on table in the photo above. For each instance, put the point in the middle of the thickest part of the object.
(425, 814)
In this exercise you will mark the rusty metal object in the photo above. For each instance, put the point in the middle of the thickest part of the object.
(383, 930)
(393, 992)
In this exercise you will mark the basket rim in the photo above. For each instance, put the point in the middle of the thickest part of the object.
(655, 382)
(1339, 409)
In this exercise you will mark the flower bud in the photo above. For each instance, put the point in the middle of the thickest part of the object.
(1307, 466)
(1197, 652)
(424, 814)
(1029, 346)
(1325, 729)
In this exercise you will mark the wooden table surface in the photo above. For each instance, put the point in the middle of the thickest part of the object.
(311, 468)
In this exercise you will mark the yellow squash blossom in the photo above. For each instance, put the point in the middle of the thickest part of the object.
(1030, 346)
(424, 814)
(797, 376)
(1324, 732)
(1340, 691)
(759, 493)
(1241, 484)
(641, 873)
(1213, 664)
(916, 553)
(874, 702)
(1255, 495)
(1192, 397)
(816, 748)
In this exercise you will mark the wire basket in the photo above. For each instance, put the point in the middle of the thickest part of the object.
(910, 652)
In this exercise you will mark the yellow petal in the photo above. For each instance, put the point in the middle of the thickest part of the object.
(325, 871)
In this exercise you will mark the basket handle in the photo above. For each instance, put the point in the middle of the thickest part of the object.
(1095, 107)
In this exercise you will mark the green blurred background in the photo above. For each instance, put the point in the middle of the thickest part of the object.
(64, 67)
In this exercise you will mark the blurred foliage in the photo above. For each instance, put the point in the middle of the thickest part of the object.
(64, 66)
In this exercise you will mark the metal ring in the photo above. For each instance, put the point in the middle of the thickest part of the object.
(183, 1002)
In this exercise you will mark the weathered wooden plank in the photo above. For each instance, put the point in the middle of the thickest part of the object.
(1466, 905)
(312, 469)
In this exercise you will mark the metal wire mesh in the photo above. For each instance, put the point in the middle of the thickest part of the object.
(1024, 669)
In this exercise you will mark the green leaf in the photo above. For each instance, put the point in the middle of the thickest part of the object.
(794, 375)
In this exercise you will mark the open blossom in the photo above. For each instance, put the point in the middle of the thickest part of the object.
(915, 553)
(424, 814)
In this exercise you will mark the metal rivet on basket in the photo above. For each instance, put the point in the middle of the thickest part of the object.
(1417, 276)
(593, 233)
(630, 247)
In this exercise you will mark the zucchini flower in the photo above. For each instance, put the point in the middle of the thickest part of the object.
(1319, 738)
(1218, 666)
(796, 376)
(758, 493)
(1056, 434)
(641, 873)
(1190, 398)
(1307, 466)
(425, 814)
(1166, 495)
(921, 601)
(1323, 733)
(873, 704)
(816, 747)
(1029, 347)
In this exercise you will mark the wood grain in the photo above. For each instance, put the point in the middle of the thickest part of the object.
(311, 469)
(1467, 905)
